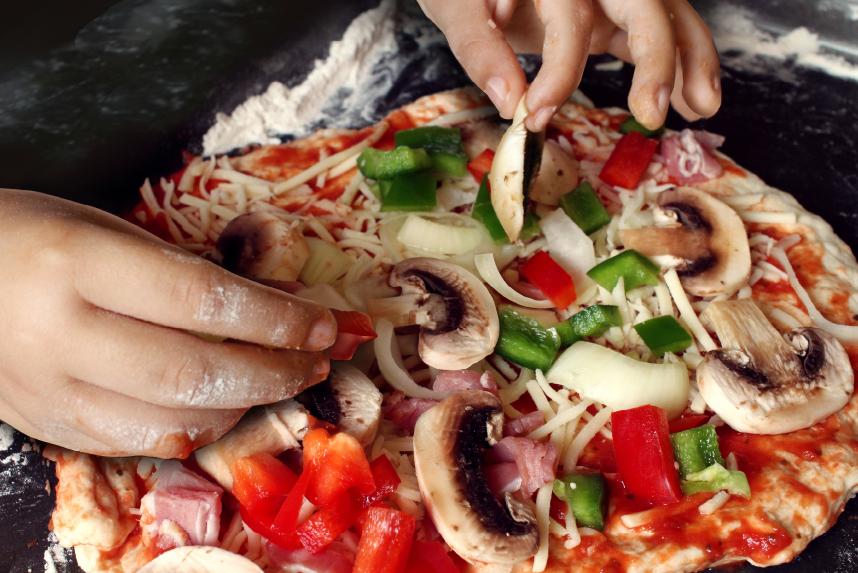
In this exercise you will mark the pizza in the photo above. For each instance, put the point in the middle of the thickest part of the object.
(600, 348)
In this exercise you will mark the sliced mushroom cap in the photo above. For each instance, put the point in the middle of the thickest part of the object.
(557, 175)
(271, 429)
(263, 245)
(200, 559)
(449, 441)
(347, 399)
(515, 163)
(705, 234)
(763, 383)
(457, 315)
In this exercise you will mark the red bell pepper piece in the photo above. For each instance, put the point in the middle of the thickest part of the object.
(267, 529)
(555, 283)
(385, 541)
(287, 518)
(644, 454)
(353, 329)
(430, 557)
(687, 421)
(337, 464)
(261, 482)
(629, 160)
(481, 164)
(323, 527)
(386, 480)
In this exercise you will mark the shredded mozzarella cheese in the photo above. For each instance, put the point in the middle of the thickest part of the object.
(714, 503)
(686, 312)
(543, 507)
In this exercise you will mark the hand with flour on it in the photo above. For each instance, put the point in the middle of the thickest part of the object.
(96, 355)
(667, 41)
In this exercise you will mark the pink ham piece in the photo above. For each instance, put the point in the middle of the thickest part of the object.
(461, 380)
(536, 461)
(404, 411)
(524, 425)
(182, 508)
(688, 156)
(503, 477)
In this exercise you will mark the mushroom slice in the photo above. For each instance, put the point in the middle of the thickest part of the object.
(449, 441)
(763, 383)
(271, 429)
(557, 175)
(454, 309)
(705, 234)
(263, 245)
(347, 399)
(200, 559)
(516, 162)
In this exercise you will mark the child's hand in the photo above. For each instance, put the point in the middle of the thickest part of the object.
(95, 354)
(668, 42)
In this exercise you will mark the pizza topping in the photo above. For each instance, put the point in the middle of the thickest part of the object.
(455, 311)
(628, 161)
(689, 158)
(585, 496)
(515, 164)
(696, 449)
(377, 164)
(717, 478)
(444, 145)
(544, 273)
(704, 234)
(409, 192)
(348, 400)
(619, 381)
(483, 212)
(200, 559)
(263, 245)
(761, 383)
(526, 342)
(535, 461)
(663, 334)
(631, 124)
(558, 173)
(488, 268)
(585, 208)
(635, 269)
(644, 454)
(449, 442)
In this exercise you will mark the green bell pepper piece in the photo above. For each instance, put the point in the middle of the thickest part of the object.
(631, 124)
(378, 164)
(663, 334)
(530, 227)
(444, 145)
(584, 207)
(591, 321)
(633, 267)
(717, 478)
(585, 494)
(696, 449)
(524, 341)
(485, 213)
(411, 192)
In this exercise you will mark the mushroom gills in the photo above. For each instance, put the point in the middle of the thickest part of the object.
(348, 400)
(763, 383)
(706, 236)
(455, 312)
(263, 245)
(516, 161)
(449, 442)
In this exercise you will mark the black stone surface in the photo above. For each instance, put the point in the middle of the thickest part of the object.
(97, 95)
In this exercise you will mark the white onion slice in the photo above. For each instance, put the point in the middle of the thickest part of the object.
(434, 237)
(488, 270)
(569, 246)
(393, 373)
(843, 332)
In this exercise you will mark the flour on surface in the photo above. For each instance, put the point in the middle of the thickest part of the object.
(746, 46)
(7, 436)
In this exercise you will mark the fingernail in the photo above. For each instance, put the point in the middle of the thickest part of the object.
(498, 91)
(541, 118)
(321, 370)
(321, 334)
(662, 99)
(716, 83)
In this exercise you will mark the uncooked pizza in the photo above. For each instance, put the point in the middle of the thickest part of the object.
(598, 348)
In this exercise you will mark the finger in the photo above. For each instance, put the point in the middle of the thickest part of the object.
(502, 11)
(677, 100)
(164, 285)
(481, 48)
(178, 370)
(701, 72)
(653, 51)
(90, 419)
(567, 40)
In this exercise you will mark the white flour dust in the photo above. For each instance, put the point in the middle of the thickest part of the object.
(744, 45)
(289, 110)
(7, 435)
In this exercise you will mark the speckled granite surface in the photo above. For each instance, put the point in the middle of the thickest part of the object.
(90, 118)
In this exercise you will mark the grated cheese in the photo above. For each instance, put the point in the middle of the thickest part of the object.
(768, 217)
(572, 533)
(587, 433)
(563, 417)
(543, 507)
(686, 312)
(714, 503)
(539, 399)
(634, 520)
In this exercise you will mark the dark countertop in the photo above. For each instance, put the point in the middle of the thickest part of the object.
(110, 92)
